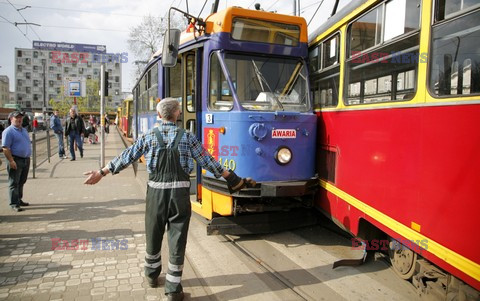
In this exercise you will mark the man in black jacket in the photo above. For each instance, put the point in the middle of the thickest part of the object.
(75, 130)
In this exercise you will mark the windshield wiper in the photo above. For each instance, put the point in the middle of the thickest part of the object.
(262, 79)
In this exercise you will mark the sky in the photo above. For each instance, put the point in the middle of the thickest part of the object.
(108, 23)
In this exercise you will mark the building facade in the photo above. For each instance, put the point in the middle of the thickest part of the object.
(4, 90)
(40, 72)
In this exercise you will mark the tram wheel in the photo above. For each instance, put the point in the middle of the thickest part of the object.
(402, 258)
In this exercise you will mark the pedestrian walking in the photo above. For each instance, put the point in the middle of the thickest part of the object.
(35, 124)
(107, 124)
(25, 122)
(75, 130)
(56, 126)
(169, 152)
(16, 146)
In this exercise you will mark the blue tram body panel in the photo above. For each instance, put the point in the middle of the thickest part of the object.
(248, 146)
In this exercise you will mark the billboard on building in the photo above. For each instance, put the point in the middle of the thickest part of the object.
(44, 45)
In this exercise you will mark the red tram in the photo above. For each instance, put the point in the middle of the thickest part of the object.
(396, 86)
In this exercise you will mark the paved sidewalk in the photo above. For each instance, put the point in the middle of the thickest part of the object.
(101, 228)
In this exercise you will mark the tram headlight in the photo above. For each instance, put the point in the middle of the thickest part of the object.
(283, 155)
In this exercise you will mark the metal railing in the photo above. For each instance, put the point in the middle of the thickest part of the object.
(43, 148)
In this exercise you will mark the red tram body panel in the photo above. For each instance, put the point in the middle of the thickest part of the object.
(418, 166)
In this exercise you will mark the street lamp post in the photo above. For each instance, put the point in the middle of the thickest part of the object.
(44, 89)
(44, 109)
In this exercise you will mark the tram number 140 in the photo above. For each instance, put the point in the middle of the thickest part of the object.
(228, 164)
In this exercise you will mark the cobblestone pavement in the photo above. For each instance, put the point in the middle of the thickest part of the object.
(75, 242)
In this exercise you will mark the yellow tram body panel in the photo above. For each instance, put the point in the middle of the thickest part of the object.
(213, 202)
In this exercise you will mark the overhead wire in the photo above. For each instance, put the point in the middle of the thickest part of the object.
(252, 3)
(272, 5)
(308, 6)
(168, 9)
(76, 10)
(85, 28)
(315, 12)
(27, 25)
(205, 3)
(24, 34)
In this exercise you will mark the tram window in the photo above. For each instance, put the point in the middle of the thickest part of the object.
(325, 93)
(366, 31)
(151, 103)
(149, 78)
(384, 84)
(220, 94)
(447, 8)
(383, 68)
(467, 75)
(371, 87)
(269, 83)
(174, 81)
(143, 95)
(265, 31)
(153, 87)
(284, 39)
(331, 49)
(249, 32)
(354, 93)
(190, 83)
(325, 88)
(314, 58)
(401, 16)
(455, 56)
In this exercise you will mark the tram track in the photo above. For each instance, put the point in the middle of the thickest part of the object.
(301, 262)
(268, 269)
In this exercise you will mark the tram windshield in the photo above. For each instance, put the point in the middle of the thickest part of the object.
(266, 83)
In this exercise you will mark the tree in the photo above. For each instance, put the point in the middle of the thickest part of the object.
(147, 38)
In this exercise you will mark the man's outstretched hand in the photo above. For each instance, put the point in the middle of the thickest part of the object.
(93, 177)
(235, 183)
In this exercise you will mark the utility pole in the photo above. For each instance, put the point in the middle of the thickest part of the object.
(45, 124)
(102, 114)
(44, 64)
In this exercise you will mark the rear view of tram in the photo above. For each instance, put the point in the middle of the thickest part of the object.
(241, 76)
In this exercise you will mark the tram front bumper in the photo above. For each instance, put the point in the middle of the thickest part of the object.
(288, 189)
(267, 189)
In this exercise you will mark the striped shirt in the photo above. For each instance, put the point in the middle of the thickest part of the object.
(189, 147)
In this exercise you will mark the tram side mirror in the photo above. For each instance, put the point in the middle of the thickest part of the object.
(170, 47)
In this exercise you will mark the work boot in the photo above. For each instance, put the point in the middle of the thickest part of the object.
(175, 296)
(152, 282)
(22, 203)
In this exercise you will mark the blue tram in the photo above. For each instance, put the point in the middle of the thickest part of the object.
(241, 77)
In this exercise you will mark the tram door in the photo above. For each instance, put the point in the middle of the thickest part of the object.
(189, 105)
